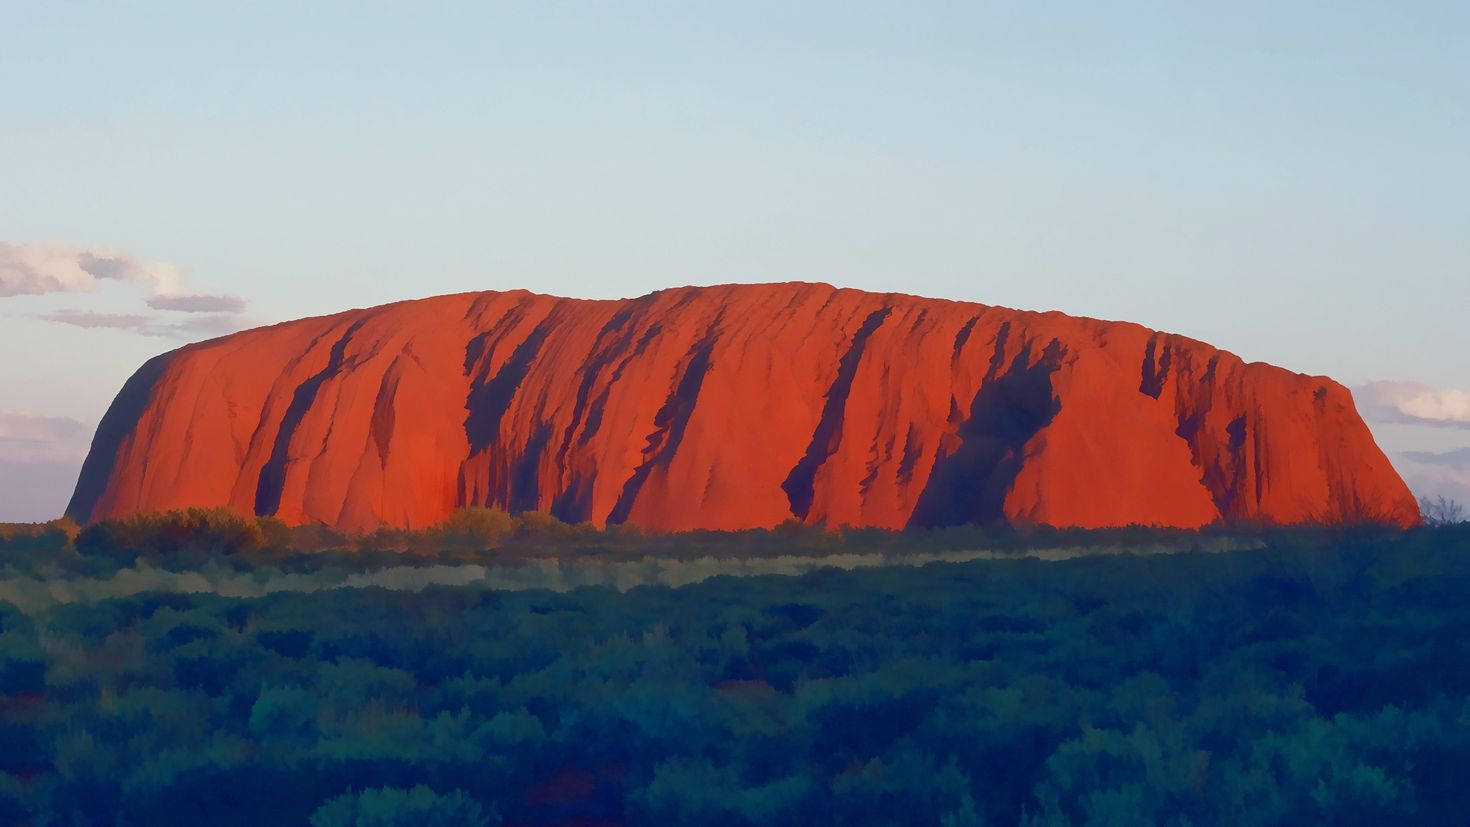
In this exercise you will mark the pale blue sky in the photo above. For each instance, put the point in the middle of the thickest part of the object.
(1290, 181)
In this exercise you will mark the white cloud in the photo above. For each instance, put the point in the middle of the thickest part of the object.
(1414, 403)
(33, 269)
(36, 269)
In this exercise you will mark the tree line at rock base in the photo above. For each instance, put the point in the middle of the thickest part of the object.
(190, 538)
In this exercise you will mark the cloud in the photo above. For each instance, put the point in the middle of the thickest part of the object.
(1436, 474)
(1458, 459)
(36, 269)
(34, 491)
(40, 458)
(1414, 403)
(26, 438)
(198, 303)
(195, 327)
(25, 426)
(33, 269)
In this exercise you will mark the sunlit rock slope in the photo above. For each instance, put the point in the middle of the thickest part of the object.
(732, 407)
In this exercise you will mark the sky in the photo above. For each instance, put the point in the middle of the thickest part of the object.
(1289, 181)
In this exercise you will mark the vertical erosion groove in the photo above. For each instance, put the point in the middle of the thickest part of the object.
(1155, 368)
(488, 401)
(669, 423)
(799, 484)
(272, 479)
(961, 338)
(486, 406)
(574, 503)
(603, 351)
(384, 412)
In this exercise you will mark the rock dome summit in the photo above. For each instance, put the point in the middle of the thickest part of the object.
(733, 407)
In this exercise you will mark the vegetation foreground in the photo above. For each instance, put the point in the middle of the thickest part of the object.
(1324, 678)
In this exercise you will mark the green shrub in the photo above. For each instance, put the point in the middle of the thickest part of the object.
(474, 528)
(194, 533)
(541, 525)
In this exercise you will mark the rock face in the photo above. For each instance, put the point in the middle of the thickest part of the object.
(733, 407)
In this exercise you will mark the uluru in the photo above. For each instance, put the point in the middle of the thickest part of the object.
(733, 407)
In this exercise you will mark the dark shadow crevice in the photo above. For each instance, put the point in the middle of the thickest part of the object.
(272, 480)
(669, 422)
(800, 482)
(1155, 371)
(489, 400)
(1011, 406)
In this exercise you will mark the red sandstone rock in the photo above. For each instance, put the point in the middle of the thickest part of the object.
(733, 407)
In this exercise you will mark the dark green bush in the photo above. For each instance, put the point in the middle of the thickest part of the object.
(479, 528)
(191, 535)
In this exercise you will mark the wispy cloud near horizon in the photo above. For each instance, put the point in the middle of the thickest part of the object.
(1436, 473)
(29, 438)
(1413, 403)
(40, 457)
(198, 303)
(192, 327)
(42, 269)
